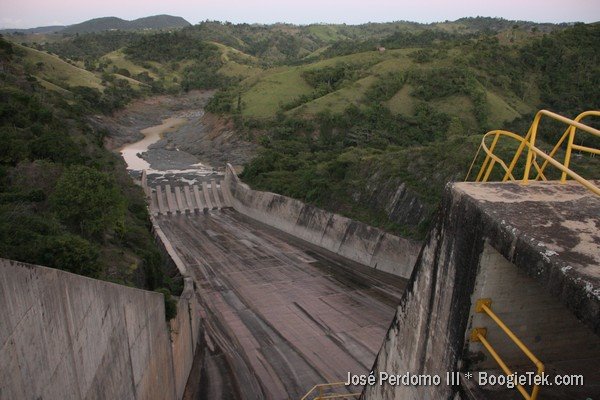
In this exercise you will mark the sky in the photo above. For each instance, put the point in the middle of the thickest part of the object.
(33, 13)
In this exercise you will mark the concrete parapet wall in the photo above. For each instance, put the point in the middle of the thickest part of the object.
(185, 327)
(351, 239)
(64, 336)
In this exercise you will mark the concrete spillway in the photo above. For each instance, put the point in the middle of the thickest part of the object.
(280, 315)
(184, 199)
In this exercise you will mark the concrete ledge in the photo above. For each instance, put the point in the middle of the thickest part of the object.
(352, 239)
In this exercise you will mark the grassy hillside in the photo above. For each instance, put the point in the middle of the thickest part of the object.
(56, 71)
(275, 89)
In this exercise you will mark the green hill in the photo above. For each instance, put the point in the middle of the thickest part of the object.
(273, 90)
(114, 23)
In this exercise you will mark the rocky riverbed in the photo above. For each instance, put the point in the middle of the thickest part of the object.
(172, 135)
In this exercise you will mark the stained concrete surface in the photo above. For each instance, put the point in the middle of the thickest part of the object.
(548, 231)
(346, 237)
(65, 336)
(280, 315)
(551, 231)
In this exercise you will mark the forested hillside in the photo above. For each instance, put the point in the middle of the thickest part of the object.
(65, 201)
(369, 120)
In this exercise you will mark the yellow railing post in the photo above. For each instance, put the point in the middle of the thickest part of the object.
(530, 154)
(516, 157)
(321, 395)
(570, 140)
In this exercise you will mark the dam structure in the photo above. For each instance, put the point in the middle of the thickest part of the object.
(290, 295)
(279, 296)
(283, 300)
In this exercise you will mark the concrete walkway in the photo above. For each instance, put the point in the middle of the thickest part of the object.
(280, 315)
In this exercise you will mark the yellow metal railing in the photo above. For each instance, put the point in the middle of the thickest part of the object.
(533, 152)
(479, 335)
(320, 392)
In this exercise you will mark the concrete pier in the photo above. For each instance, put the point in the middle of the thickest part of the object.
(533, 252)
(199, 201)
(179, 200)
(188, 198)
(206, 193)
(170, 200)
(152, 196)
(161, 200)
(215, 192)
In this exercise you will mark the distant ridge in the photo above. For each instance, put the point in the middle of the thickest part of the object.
(109, 23)
(39, 29)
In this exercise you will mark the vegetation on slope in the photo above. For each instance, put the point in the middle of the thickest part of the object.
(334, 158)
(65, 201)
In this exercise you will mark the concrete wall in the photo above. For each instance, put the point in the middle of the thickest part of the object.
(185, 329)
(546, 326)
(351, 239)
(64, 336)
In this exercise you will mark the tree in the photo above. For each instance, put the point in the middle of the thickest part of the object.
(88, 200)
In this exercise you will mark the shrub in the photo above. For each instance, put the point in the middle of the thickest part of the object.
(170, 304)
(88, 200)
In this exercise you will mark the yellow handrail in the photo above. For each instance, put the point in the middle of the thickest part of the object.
(529, 143)
(322, 386)
(479, 335)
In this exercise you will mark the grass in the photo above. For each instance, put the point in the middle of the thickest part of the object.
(117, 58)
(53, 87)
(267, 90)
(402, 102)
(227, 51)
(232, 68)
(500, 110)
(326, 33)
(271, 91)
(133, 82)
(337, 101)
(456, 105)
(57, 71)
